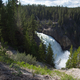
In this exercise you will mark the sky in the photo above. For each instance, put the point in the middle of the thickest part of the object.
(65, 3)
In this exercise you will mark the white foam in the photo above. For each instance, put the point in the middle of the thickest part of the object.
(60, 56)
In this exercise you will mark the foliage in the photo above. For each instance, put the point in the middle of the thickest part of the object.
(69, 62)
(18, 24)
(58, 72)
(32, 27)
(67, 77)
(22, 17)
(3, 57)
(29, 37)
(36, 70)
(49, 55)
(20, 60)
(41, 52)
(74, 58)
(27, 43)
(0, 3)
(50, 23)
(22, 57)
(6, 59)
(3, 47)
(64, 76)
(0, 18)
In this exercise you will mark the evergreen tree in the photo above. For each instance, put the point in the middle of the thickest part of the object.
(69, 63)
(4, 23)
(11, 27)
(0, 3)
(49, 56)
(34, 48)
(18, 17)
(78, 62)
(32, 27)
(41, 52)
(0, 19)
(27, 44)
(74, 58)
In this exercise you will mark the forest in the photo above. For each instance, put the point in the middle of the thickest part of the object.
(18, 24)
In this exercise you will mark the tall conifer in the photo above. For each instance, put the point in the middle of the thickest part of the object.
(41, 52)
(49, 55)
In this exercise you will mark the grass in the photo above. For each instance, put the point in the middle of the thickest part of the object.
(6, 59)
(64, 76)
(67, 77)
(35, 69)
(17, 64)
(58, 73)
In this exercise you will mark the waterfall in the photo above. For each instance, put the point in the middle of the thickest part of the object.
(60, 56)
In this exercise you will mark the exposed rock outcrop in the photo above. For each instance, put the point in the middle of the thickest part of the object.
(58, 34)
(66, 34)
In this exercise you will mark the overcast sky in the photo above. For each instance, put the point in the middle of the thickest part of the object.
(68, 3)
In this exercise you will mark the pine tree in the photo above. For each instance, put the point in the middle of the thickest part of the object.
(69, 63)
(18, 17)
(78, 61)
(41, 52)
(74, 58)
(0, 19)
(0, 3)
(27, 44)
(4, 23)
(32, 27)
(49, 55)
(11, 27)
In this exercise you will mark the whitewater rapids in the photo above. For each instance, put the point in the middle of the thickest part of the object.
(60, 56)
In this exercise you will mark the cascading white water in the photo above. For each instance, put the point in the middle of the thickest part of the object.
(60, 56)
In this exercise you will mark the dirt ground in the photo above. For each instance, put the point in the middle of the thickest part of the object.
(7, 73)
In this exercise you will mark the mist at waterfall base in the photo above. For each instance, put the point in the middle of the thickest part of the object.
(60, 56)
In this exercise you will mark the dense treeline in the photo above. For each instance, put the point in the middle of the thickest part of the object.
(68, 19)
(18, 24)
(60, 14)
(18, 30)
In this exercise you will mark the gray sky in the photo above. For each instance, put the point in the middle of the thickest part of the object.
(68, 3)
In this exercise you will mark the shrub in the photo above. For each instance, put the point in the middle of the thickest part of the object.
(67, 77)
(23, 57)
(30, 59)
(3, 47)
(6, 59)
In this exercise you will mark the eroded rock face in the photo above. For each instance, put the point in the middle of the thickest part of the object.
(59, 36)
(66, 34)
(65, 42)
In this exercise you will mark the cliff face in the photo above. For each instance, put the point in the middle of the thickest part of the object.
(63, 35)
(59, 36)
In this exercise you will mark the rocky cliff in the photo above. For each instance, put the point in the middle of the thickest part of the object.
(63, 35)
